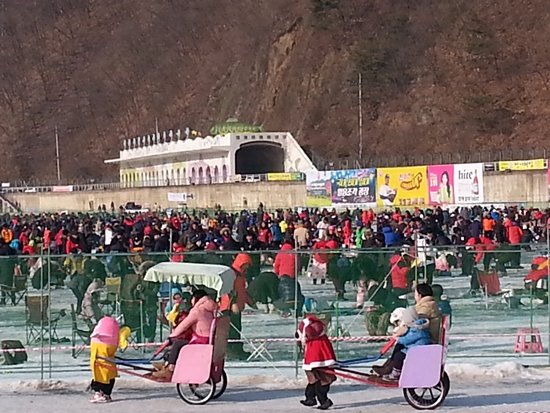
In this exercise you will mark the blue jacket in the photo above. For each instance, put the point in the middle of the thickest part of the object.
(390, 237)
(445, 307)
(475, 228)
(416, 336)
(169, 305)
(276, 232)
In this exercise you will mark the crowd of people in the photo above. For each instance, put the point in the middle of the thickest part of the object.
(483, 229)
(262, 230)
(373, 250)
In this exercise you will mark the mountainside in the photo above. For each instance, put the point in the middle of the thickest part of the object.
(437, 75)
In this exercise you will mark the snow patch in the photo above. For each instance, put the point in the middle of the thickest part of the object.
(30, 386)
(501, 371)
(457, 372)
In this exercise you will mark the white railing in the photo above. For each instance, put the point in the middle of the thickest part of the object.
(105, 186)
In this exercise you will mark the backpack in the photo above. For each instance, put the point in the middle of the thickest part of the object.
(12, 358)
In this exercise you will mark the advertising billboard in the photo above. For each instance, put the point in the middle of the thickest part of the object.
(399, 187)
(354, 187)
(441, 189)
(529, 165)
(318, 189)
(468, 183)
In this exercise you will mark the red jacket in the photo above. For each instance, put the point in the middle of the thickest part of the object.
(285, 263)
(28, 249)
(47, 238)
(484, 244)
(70, 245)
(176, 223)
(399, 275)
(539, 269)
(178, 253)
(320, 258)
(59, 238)
(515, 233)
(265, 236)
(24, 238)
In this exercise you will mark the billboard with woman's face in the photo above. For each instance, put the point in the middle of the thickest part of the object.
(441, 190)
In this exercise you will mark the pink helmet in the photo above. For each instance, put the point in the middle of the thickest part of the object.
(106, 332)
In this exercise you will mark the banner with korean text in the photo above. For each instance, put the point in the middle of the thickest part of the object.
(529, 165)
(399, 187)
(354, 187)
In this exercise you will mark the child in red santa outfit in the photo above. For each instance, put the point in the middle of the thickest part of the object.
(318, 355)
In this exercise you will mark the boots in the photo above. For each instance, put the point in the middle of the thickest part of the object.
(311, 396)
(158, 365)
(393, 376)
(384, 369)
(322, 396)
(164, 374)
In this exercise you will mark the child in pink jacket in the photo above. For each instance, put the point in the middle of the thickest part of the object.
(199, 321)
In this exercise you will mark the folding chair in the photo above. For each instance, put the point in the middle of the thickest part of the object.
(38, 325)
(490, 286)
(131, 307)
(161, 317)
(84, 335)
(17, 290)
(112, 287)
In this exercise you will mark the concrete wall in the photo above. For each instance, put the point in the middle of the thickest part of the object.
(522, 187)
(529, 187)
(229, 196)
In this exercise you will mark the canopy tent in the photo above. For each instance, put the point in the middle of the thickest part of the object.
(215, 277)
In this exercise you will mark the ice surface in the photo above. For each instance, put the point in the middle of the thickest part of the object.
(486, 375)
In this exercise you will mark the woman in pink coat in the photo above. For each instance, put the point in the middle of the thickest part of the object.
(199, 321)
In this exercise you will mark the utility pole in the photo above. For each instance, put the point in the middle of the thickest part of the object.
(360, 117)
(57, 155)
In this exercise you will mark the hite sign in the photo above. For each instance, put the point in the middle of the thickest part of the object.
(468, 181)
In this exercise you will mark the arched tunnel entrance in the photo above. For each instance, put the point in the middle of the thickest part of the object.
(259, 158)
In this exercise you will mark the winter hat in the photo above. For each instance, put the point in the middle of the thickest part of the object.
(241, 260)
(409, 316)
(406, 316)
(310, 328)
(396, 315)
(106, 332)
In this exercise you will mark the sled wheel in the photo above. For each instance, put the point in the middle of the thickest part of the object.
(220, 387)
(430, 398)
(197, 393)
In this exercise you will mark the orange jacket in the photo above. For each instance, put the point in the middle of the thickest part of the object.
(239, 285)
(488, 224)
(7, 235)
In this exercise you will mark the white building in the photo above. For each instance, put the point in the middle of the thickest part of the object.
(171, 159)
